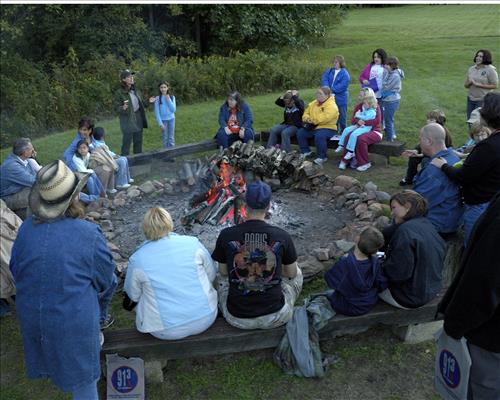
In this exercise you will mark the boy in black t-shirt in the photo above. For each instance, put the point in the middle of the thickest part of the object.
(258, 263)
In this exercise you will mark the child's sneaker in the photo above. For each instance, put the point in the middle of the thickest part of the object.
(339, 149)
(342, 165)
(363, 168)
(320, 161)
(107, 322)
(349, 155)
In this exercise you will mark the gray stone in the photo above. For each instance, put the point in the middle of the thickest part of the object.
(158, 184)
(366, 216)
(340, 201)
(113, 247)
(93, 214)
(322, 254)
(383, 197)
(274, 183)
(109, 235)
(376, 208)
(346, 181)
(337, 190)
(370, 187)
(352, 196)
(344, 245)
(168, 189)
(418, 333)
(132, 194)
(382, 222)
(310, 266)
(116, 256)
(119, 202)
(360, 209)
(147, 187)
(106, 225)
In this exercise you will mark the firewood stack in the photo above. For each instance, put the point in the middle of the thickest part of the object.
(222, 179)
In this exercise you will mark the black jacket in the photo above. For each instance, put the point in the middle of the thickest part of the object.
(414, 262)
(471, 306)
(296, 116)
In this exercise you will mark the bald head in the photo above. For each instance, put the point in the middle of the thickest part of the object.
(432, 139)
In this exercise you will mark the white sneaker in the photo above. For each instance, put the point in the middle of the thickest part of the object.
(342, 165)
(364, 167)
(349, 155)
(101, 338)
(307, 154)
(112, 191)
(130, 180)
(339, 149)
(335, 137)
(126, 186)
(320, 161)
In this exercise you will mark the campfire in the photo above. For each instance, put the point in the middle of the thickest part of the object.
(219, 198)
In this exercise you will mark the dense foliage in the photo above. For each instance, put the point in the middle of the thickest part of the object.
(59, 62)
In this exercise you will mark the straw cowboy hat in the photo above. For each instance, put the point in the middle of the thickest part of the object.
(55, 188)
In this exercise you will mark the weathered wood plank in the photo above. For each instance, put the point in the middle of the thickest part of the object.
(221, 338)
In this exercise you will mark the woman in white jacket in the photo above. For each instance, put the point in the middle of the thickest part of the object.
(170, 277)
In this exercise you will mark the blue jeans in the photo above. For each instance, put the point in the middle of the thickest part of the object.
(286, 132)
(225, 140)
(342, 121)
(105, 299)
(356, 131)
(94, 185)
(471, 215)
(87, 392)
(169, 133)
(472, 105)
(389, 111)
(321, 137)
(123, 174)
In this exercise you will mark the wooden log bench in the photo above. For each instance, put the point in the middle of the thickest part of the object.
(221, 338)
(385, 149)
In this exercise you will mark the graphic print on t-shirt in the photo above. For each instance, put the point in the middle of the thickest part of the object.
(254, 263)
(233, 124)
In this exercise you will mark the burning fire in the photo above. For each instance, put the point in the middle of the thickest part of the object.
(223, 199)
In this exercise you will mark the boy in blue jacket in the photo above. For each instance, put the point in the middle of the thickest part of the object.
(357, 278)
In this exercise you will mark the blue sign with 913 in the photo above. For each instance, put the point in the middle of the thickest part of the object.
(124, 379)
(450, 370)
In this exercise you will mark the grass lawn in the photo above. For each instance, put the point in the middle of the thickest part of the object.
(435, 45)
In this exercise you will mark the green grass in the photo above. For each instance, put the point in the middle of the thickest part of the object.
(435, 45)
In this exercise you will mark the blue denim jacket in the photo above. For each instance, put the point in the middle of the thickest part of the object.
(244, 115)
(60, 268)
(445, 208)
(15, 176)
(339, 87)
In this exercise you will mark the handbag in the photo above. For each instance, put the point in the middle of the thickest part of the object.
(308, 126)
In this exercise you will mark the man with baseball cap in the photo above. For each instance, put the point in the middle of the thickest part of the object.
(260, 279)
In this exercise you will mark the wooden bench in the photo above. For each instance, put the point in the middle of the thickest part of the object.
(386, 149)
(221, 338)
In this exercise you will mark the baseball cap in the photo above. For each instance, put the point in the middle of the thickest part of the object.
(258, 195)
(126, 73)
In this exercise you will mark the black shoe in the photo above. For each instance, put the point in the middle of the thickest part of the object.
(108, 321)
(404, 182)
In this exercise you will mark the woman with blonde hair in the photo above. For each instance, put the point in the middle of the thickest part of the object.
(320, 122)
(169, 279)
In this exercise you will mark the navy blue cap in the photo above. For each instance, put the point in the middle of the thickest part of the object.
(258, 195)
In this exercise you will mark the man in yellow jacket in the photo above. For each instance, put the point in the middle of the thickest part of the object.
(320, 121)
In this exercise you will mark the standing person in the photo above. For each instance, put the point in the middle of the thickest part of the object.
(373, 73)
(391, 97)
(235, 121)
(292, 119)
(471, 305)
(18, 175)
(415, 253)
(479, 176)
(258, 263)
(62, 291)
(165, 113)
(132, 112)
(480, 79)
(320, 121)
(170, 277)
(337, 79)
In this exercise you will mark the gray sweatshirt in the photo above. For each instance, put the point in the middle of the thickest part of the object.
(391, 85)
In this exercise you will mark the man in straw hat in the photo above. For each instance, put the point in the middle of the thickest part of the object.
(64, 274)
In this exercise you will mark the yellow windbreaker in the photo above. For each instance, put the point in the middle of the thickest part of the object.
(324, 116)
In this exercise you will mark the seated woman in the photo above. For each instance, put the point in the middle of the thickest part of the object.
(292, 119)
(80, 162)
(320, 121)
(414, 255)
(235, 121)
(374, 135)
(170, 276)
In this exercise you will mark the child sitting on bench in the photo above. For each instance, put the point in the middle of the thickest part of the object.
(357, 278)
